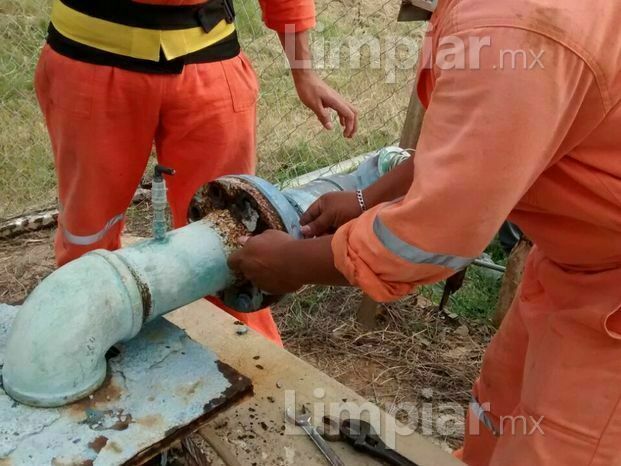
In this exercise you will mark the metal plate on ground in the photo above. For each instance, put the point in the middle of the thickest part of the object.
(161, 386)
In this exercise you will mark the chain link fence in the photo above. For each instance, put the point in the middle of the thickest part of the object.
(359, 48)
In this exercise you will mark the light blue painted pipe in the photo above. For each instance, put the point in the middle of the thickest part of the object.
(56, 348)
(368, 172)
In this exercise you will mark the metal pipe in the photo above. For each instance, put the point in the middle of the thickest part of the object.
(489, 265)
(373, 167)
(345, 166)
(56, 349)
(57, 345)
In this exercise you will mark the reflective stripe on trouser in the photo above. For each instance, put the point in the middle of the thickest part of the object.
(414, 254)
(87, 240)
(102, 122)
(551, 377)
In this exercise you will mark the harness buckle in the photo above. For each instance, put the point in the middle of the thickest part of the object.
(229, 10)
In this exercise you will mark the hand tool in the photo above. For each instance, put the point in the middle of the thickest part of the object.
(361, 435)
(303, 421)
(452, 285)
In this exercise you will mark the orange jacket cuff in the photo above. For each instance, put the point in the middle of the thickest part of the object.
(362, 258)
(283, 14)
(356, 249)
(300, 25)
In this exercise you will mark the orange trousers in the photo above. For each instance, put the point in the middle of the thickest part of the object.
(102, 123)
(551, 378)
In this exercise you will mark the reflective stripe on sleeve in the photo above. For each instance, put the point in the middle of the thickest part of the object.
(414, 254)
(92, 239)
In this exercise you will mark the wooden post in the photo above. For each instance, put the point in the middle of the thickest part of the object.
(367, 313)
(369, 309)
(413, 123)
(511, 279)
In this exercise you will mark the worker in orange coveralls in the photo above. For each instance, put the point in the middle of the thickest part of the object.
(117, 75)
(538, 140)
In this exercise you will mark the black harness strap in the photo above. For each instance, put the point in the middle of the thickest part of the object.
(162, 17)
(146, 16)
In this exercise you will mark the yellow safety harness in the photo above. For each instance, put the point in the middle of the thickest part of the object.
(136, 34)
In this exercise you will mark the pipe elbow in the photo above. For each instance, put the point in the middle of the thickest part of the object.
(56, 349)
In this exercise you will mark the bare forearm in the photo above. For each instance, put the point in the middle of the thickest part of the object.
(296, 47)
(393, 185)
(318, 259)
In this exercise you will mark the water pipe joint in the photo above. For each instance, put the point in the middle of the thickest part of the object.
(56, 348)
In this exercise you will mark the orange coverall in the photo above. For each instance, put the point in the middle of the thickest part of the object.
(103, 120)
(541, 142)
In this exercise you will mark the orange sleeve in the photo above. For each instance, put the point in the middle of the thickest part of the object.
(278, 14)
(487, 136)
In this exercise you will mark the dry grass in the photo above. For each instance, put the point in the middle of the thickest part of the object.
(415, 355)
(24, 262)
(26, 167)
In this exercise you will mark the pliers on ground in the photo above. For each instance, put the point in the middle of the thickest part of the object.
(361, 435)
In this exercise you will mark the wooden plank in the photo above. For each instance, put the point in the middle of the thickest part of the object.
(255, 430)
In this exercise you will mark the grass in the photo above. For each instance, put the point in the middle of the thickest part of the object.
(26, 167)
(477, 298)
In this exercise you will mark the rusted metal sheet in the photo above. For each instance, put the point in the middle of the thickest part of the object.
(160, 385)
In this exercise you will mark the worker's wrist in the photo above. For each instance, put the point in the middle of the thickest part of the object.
(293, 252)
(370, 197)
(301, 75)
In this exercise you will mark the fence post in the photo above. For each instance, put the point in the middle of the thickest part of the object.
(511, 279)
(413, 123)
(369, 309)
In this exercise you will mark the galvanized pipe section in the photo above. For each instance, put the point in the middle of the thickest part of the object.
(376, 165)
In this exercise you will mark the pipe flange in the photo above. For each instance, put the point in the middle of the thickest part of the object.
(258, 206)
(253, 201)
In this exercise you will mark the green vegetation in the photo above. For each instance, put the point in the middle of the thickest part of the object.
(477, 298)
(26, 167)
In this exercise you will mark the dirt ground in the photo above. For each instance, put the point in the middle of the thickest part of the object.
(414, 356)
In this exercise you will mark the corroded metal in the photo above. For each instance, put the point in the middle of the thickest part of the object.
(242, 197)
(159, 386)
(258, 206)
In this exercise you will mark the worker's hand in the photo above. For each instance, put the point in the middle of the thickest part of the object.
(320, 98)
(261, 261)
(329, 212)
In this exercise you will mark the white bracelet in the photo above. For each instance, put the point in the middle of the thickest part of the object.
(359, 195)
